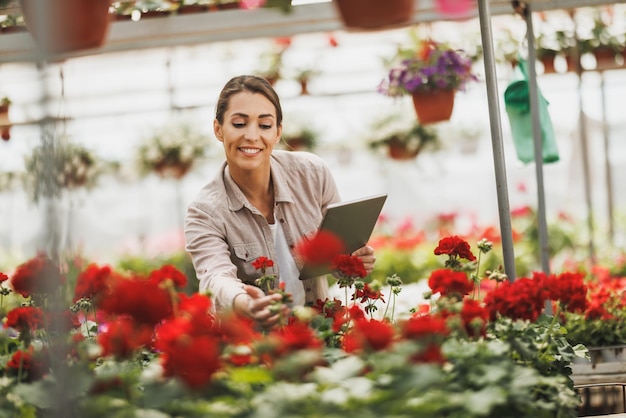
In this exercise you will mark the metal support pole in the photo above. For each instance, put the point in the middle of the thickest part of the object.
(607, 163)
(544, 250)
(584, 147)
(496, 139)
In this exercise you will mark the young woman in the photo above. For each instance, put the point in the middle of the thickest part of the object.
(261, 204)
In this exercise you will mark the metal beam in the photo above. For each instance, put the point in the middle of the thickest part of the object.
(229, 25)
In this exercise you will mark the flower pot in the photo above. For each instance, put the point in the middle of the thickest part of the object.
(433, 106)
(401, 153)
(175, 171)
(375, 14)
(548, 65)
(67, 25)
(5, 125)
(605, 58)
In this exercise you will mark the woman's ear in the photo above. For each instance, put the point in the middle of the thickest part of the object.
(217, 130)
(279, 133)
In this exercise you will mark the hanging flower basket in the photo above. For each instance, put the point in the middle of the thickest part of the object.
(433, 106)
(60, 26)
(431, 73)
(375, 14)
(399, 151)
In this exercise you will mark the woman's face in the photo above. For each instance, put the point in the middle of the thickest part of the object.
(249, 132)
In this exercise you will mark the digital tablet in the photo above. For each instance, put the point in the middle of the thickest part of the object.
(351, 221)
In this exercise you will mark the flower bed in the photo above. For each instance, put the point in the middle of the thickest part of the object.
(134, 345)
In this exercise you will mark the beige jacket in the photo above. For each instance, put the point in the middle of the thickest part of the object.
(224, 233)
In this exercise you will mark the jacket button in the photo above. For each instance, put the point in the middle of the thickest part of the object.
(282, 221)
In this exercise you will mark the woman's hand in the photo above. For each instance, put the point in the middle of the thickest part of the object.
(366, 254)
(264, 309)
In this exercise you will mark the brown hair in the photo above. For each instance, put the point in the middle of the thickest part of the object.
(253, 84)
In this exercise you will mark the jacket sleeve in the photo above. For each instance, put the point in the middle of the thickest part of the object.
(206, 243)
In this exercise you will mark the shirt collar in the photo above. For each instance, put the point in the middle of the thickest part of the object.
(236, 198)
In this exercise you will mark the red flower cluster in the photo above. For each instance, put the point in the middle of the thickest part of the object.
(474, 317)
(38, 275)
(139, 298)
(189, 344)
(450, 283)
(368, 294)
(121, 337)
(168, 272)
(368, 335)
(430, 331)
(321, 249)
(262, 263)
(94, 282)
(455, 246)
(25, 319)
(34, 365)
(349, 266)
(522, 299)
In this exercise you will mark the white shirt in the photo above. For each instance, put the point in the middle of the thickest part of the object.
(289, 272)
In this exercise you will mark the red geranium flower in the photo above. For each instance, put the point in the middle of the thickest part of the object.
(450, 282)
(366, 294)
(368, 335)
(522, 299)
(25, 319)
(262, 263)
(168, 272)
(422, 326)
(349, 266)
(144, 301)
(34, 365)
(122, 337)
(3, 277)
(38, 275)
(455, 246)
(474, 317)
(321, 249)
(93, 282)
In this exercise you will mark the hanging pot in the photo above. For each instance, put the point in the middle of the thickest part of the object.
(401, 153)
(60, 26)
(433, 106)
(5, 123)
(375, 14)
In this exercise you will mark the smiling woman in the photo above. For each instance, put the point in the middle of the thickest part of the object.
(262, 203)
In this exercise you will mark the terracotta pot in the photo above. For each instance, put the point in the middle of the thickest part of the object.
(174, 171)
(433, 106)
(401, 153)
(548, 65)
(5, 126)
(605, 58)
(67, 25)
(375, 14)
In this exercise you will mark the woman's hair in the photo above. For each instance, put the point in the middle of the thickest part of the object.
(253, 84)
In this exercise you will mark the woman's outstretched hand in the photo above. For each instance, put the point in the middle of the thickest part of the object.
(263, 309)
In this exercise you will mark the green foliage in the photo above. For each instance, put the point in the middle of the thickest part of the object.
(181, 260)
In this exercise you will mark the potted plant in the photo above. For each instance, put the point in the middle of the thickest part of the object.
(60, 165)
(61, 26)
(303, 77)
(603, 42)
(172, 150)
(431, 73)
(401, 138)
(552, 44)
(271, 64)
(5, 124)
(374, 14)
(300, 137)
